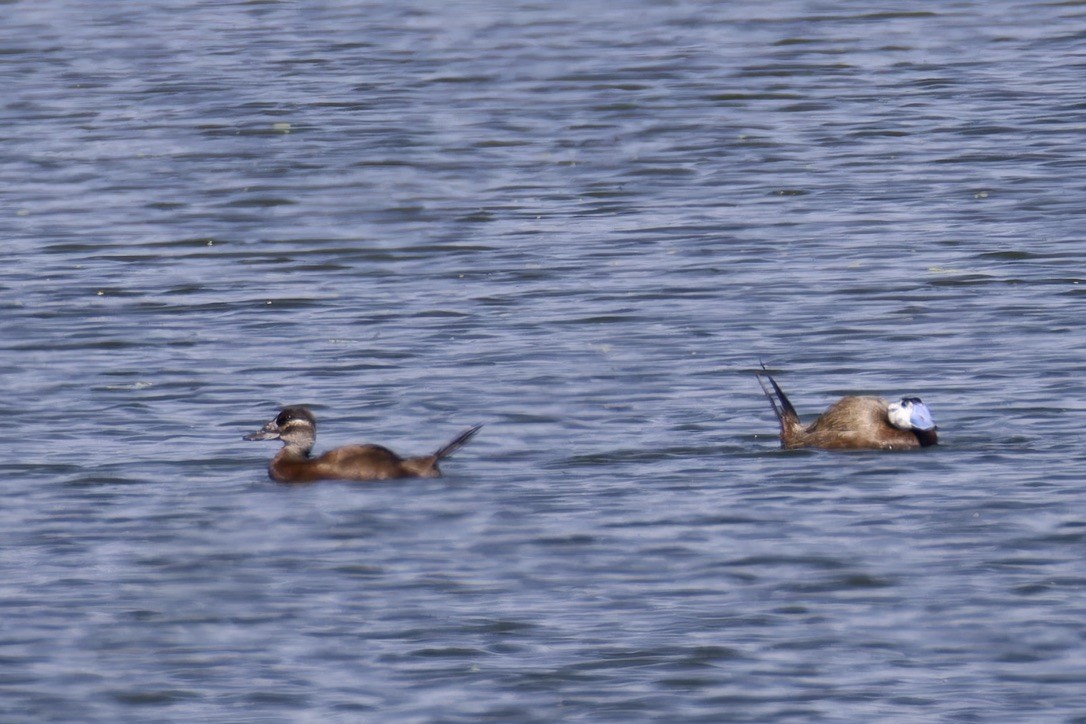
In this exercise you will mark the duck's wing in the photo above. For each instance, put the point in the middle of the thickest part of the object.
(854, 414)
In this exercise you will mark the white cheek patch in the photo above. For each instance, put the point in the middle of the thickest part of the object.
(899, 416)
(297, 426)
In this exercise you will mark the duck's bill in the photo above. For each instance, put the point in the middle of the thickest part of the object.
(920, 417)
(268, 432)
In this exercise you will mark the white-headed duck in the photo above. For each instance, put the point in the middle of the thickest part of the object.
(854, 423)
(297, 428)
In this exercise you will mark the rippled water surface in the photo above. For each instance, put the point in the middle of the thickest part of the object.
(582, 226)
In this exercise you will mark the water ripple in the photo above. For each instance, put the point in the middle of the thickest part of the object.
(585, 230)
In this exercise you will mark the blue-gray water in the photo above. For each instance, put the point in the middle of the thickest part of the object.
(583, 225)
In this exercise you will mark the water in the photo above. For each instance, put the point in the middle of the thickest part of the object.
(582, 226)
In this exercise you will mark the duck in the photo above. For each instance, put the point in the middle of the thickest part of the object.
(854, 422)
(296, 427)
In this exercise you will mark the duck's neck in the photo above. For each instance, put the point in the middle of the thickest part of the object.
(927, 438)
(296, 450)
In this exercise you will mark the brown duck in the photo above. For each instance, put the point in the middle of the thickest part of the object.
(297, 428)
(854, 423)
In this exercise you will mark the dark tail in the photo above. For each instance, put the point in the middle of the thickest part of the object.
(458, 442)
(786, 414)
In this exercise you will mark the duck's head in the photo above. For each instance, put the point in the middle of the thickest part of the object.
(911, 414)
(294, 425)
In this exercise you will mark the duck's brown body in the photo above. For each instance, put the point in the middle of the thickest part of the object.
(851, 423)
(297, 428)
(351, 462)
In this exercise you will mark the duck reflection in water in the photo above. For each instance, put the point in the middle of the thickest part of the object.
(854, 423)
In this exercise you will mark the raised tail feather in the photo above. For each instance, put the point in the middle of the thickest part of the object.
(782, 407)
(456, 443)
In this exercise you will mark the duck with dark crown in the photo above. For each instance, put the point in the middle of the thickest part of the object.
(297, 428)
(854, 423)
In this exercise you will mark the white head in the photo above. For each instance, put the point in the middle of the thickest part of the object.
(911, 414)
